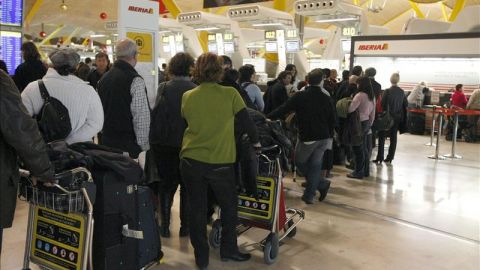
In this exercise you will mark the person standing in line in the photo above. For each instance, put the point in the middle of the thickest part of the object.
(247, 74)
(101, 63)
(19, 138)
(473, 104)
(166, 150)
(3, 66)
(32, 69)
(316, 121)
(364, 102)
(82, 102)
(395, 102)
(277, 94)
(125, 103)
(208, 153)
(294, 81)
(342, 86)
(416, 97)
(377, 93)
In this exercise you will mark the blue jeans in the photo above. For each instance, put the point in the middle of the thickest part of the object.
(362, 152)
(309, 160)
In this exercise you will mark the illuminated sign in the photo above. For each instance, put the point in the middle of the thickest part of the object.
(212, 37)
(292, 33)
(270, 35)
(228, 37)
(374, 47)
(165, 39)
(349, 31)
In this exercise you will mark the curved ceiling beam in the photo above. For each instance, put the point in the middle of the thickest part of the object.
(172, 7)
(459, 5)
(417, 10)
(32, 12)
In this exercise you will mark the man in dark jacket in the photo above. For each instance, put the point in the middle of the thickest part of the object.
(395, 102)
(101, 62)
(125, 104)
(19, 137)
(316, 120)
(277, 94)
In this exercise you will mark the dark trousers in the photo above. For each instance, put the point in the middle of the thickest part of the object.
(1, 240)
(168, 165)
(362, 152)
(198, 177)
(392, 133)
(309, 160)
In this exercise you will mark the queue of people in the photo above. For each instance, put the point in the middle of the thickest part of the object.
(190, 133)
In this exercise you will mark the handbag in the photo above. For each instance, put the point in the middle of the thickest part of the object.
(384, 121)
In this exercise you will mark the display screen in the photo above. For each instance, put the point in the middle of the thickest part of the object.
(212, 47)
(229, 47)
(270, 46)
(293, 46)
(10, 49)
(12, 12)
(270, 35)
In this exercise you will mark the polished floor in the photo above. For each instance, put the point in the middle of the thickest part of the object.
(417, 213)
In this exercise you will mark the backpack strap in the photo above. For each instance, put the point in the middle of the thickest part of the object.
(43, 91)
(245, 85)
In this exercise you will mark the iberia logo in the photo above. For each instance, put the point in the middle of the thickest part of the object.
(141, 9)
(376, 47)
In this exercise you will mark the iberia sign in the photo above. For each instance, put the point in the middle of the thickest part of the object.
(374, 47)
(141, 9)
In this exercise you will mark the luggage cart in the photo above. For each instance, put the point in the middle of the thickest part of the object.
(269, 212)
(60, 222)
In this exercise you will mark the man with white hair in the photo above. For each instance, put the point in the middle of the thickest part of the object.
(125, 104)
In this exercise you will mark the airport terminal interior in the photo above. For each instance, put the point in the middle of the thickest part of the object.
(416, 210)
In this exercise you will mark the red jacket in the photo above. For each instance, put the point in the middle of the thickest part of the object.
(458, 99)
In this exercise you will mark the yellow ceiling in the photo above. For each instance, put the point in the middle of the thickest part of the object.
(85, 14)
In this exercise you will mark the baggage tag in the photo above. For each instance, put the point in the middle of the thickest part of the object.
(131, 233)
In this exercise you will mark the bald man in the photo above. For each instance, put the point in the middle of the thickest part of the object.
(125, 104)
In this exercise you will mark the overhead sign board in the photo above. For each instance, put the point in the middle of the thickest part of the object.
(112, 25)
(221, 3)
(11, 12)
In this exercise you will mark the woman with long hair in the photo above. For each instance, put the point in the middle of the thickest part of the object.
(364, 102)
(208, 153)
(31, 69)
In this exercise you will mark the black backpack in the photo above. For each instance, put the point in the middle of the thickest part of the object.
(159, 124)
(53, 119)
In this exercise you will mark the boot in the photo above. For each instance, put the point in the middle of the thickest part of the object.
(184, 230)
(165, 208)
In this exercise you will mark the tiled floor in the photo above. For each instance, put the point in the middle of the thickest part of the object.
(415, 214)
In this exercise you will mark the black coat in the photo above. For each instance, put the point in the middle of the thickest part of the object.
(278, 95)
(28, 72)
(395, 101)
(19, 137)
(174, 90)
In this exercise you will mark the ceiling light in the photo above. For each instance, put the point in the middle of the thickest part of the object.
(267, 24)
(63, 6)
(208, 28)
(164, 32)
(97, 35)
(336, 20)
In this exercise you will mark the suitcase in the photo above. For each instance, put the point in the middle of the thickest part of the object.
(149, 248)
(126, 233)
(416, 123)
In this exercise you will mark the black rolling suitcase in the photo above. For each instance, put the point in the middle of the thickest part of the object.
(126, 232)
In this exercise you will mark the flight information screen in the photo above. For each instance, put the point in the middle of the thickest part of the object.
(12, 12)
(11, 43)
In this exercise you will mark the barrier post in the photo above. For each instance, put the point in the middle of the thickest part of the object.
(439, 134)
(454, 140)
(432, 133)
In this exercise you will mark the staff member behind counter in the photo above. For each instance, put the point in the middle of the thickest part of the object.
(208, 153)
